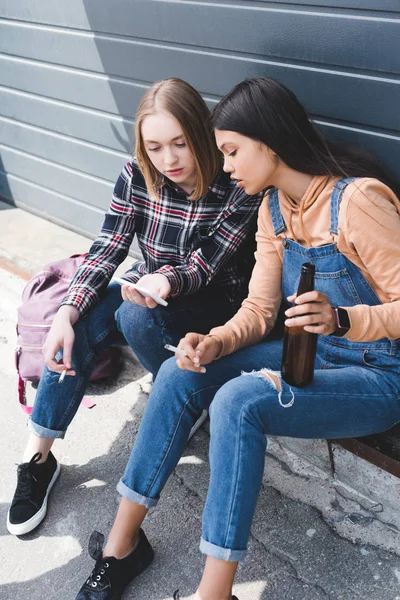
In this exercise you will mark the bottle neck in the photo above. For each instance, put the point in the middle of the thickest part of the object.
(306, 283)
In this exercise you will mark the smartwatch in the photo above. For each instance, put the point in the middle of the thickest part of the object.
(342, 321)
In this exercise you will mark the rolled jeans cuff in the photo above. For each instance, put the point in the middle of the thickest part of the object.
(44, 432)
(126, 492)
(221, 553)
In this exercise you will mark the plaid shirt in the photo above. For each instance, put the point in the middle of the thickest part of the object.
(193, 243)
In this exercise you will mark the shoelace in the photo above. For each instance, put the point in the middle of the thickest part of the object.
(99, 574)
(25, 479)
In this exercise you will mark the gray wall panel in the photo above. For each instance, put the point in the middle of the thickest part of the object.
(382, 5)
(51, 205)
(71, 85)
(73, 153)
(369, 100)
(89, 125)
(57, 12)
(79, 186)
(352, 39)
(381, 145)
(72, 74)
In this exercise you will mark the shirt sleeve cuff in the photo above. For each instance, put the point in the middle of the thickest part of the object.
(221, 342)
(80, 308)
(82, 304)
(226, 338)
(174, 280)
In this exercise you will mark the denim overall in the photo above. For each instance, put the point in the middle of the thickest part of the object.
(355, 392)
(343, 283)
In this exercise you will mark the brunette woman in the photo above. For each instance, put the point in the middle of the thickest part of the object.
(327, 206)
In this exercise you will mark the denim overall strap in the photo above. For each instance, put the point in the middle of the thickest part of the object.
(336, 198)
(275, 210)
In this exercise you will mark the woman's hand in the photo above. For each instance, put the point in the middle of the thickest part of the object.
(61, 336)
(313, 312)
(155, 283)
(200, 349)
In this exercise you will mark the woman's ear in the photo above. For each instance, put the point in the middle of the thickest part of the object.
(273, 156)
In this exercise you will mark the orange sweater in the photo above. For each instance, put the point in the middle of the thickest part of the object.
(369, 236)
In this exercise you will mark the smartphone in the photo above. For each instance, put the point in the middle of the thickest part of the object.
(142, 290)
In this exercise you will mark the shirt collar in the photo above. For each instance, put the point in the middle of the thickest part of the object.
(219, 186)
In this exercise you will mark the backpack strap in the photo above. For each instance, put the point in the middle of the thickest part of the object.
(278, 222)
(336, 199)
(22, 396)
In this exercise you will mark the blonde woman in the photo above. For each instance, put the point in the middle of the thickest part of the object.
(194, 229)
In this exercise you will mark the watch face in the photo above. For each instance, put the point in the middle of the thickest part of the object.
(343, 318)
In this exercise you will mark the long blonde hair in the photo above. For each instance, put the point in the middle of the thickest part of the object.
(184, 103)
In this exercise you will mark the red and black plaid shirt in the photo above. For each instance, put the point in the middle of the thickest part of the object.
(192, 243)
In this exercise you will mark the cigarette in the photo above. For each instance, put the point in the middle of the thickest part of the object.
(175, 349)
(63, 374)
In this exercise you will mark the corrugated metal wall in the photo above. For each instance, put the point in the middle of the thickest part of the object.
(72, 73)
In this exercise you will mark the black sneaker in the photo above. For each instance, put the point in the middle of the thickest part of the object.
(29, 505)
(110, 575)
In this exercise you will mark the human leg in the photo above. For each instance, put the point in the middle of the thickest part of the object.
(37, 445)
(125, 530)
(340, 402)
(217, 580)
(175, 399)
(54, 408)
(148, 330)
(56, 404)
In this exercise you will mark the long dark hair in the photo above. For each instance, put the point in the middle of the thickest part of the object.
(265, 110)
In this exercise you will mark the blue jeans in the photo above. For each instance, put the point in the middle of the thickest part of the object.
(347, 398)
(114, 322)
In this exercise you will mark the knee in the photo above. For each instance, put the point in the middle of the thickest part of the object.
(238, 402)
(133, 319)
(169, 372)
(164, 388)
(171, 376)
(174, 384)
(227, 405)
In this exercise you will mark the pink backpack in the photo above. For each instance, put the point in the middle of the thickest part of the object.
(41, 298)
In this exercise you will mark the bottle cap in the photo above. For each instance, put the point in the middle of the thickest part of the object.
(307, 268)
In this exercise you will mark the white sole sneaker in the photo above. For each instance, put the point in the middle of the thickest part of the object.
(33, 522)
(198, 423)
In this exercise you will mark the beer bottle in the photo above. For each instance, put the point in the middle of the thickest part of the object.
(299, 346)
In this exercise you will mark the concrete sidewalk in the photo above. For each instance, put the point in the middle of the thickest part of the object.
(294, 553)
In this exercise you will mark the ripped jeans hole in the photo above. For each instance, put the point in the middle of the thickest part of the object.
(275, 380)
